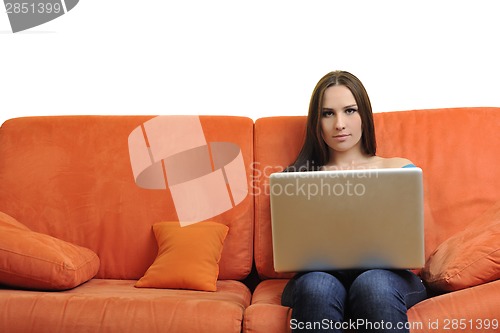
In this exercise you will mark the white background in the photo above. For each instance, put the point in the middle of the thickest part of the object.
(250, 58)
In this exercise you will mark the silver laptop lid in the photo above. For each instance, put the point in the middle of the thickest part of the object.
(326, 220)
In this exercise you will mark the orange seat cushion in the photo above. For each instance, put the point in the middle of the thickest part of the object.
(188, 257)
(32, 260)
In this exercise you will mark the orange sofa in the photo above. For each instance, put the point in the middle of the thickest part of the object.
(83, 203)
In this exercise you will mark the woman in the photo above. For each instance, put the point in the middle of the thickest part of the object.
(340, 135)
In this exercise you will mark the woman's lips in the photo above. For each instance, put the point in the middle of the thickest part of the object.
(341, 137)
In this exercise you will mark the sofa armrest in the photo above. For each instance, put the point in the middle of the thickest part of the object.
(475, 309)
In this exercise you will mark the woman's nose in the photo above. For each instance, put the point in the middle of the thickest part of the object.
(339, 123)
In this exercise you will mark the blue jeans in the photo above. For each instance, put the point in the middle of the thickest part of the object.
(365, 301)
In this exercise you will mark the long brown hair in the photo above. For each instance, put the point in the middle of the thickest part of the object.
(314, 153)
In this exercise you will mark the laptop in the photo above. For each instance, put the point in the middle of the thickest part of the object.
(350, 219)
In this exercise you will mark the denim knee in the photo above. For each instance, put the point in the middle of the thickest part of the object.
(375, 287)
(318, 297)
(321, 286)
(383, 296)
(387, 286)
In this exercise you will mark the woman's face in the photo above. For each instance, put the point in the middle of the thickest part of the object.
(340, 120)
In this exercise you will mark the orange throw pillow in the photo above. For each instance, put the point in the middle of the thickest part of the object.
(188, 257)
(469, 258)
(31, 260)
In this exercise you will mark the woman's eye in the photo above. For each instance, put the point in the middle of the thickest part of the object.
(327, 113)
(350, 111)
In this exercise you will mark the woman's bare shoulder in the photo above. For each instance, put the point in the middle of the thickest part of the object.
(396, 162)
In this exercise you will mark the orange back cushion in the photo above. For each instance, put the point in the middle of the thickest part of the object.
(72, 178)
(456, 148)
